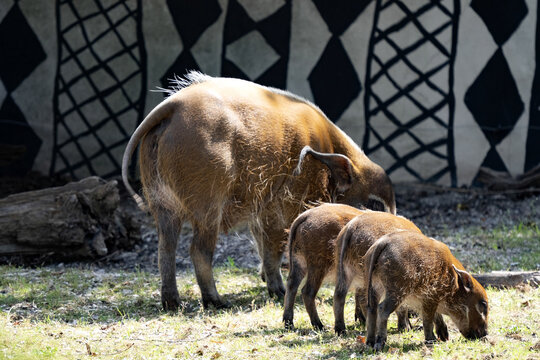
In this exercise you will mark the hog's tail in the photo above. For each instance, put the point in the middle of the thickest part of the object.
(292, 236)
(156, 116)
(342, 239)
(371, 257)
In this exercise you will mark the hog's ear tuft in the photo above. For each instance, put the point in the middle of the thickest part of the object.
(464, 279)
(339, 165)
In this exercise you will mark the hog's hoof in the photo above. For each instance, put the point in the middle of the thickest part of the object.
(404, 326)
(170, 301)
(318, 326)
(216, 304)
(379, 344)
(289, 325)
(443, 334)
(278, 293)
(359, 316)
(340, 330)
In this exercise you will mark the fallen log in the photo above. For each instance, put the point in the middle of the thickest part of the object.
(508, 279)
(500, 181)
(80, 219)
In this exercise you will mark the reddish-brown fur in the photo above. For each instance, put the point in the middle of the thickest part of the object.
(223, 151)
(352, 243)
(311, 253)
(412, 269)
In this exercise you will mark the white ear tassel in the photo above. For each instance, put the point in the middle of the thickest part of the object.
(303, 154)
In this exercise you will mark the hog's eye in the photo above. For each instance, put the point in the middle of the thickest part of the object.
(374, 204)
(482, 305)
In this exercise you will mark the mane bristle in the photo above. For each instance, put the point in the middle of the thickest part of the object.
(177, 83)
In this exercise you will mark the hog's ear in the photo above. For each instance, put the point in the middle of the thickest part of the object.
(339, 165)
(464, 279)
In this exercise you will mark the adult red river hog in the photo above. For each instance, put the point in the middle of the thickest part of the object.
(410, 268)
(312, 254)
(220, 151)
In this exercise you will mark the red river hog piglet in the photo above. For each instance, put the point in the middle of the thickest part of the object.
(412, 269)
(352, 243)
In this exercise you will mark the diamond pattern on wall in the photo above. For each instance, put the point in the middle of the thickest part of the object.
(502, 17)
(192, 19)
(340, 14)
(252, 66)
(406, 90)
(532, 157)
(21, 54)
(100, 85)
(334, 90)
(333, 80)
(257, 50)
(493, 97)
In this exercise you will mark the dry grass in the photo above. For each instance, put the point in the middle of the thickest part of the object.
(80, 313)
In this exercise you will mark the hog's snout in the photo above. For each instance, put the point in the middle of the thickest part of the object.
(474, 334)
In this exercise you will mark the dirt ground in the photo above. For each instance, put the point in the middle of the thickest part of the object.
(458, 217)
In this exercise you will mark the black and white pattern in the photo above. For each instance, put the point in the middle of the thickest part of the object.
(533, 134)
(21, 55)
(191, 19)
(334, 81)
(493, 98)
(255, 41)
(409, 102)
(100, 85)
(432, 90)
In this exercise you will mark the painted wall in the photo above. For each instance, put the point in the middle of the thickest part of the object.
(431, 90)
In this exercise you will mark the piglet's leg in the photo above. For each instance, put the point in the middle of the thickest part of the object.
(371, 320)
(309, 291)
(295, 278)
(388, 306)
(360, 306)
(403, 323)
(440, 327)
(343, 282)
(428, 316)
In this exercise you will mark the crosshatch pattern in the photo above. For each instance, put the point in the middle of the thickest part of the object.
(426, 104)
(99, 95)
(399, 84)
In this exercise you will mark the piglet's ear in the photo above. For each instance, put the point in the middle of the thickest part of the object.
(464, 279)
(339, 165)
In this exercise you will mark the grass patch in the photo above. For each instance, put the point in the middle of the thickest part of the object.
(503, 248)
(76, 314)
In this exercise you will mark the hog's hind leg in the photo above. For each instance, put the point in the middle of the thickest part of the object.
(403, 323)
(273, 243)
(371, 318)
(309, 292)
(202, 251)
(296, 274)
(343, 283)
(385, 308)
(359, 308)
(168, 226)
